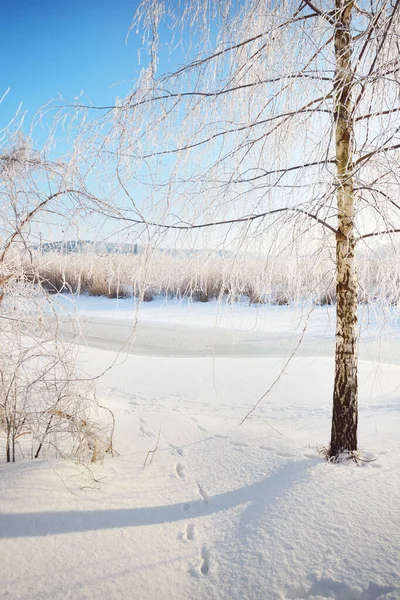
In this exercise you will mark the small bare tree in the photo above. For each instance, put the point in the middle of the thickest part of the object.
(46, 403)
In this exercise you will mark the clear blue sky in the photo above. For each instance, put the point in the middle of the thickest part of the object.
(51, 47)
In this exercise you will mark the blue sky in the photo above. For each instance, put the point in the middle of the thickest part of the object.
(51, 47)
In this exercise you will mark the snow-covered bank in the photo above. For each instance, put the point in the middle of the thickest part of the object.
(185, 329)
(223, 512)
(224, 314)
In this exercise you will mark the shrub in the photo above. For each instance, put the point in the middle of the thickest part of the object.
(47, 406)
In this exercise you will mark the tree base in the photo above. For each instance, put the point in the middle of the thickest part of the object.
(340, 457)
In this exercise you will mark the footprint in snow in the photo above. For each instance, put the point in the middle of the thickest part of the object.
(147, 433)
(190, 531)
(203, 494)
(205, 555)
(134, 399)
(172, 397)
(239, 444)
(177, 449)
(196, 421)
(179, 469)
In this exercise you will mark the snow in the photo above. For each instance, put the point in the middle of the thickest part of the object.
(239, 315)
(224, 511)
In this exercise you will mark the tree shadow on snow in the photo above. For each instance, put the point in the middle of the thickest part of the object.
(329, 588)
(261, 495)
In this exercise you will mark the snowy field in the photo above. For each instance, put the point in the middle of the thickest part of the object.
(225, 511)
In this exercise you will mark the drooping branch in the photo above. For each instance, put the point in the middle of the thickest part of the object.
(202, 61)
(219, 134)
(379, 49)
(377, 114)
(278, 378)
(244, 219)
(378, 233)
(287, 170)
(166, 95)
(374, 152)
(381, 192)
(31, 214)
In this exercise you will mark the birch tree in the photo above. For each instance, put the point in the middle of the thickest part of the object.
(281, 124)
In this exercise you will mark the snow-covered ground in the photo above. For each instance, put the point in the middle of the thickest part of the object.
(240, 316)
(225, 511)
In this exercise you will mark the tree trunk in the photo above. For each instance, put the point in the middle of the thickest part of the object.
(345, 394)
(8, 449)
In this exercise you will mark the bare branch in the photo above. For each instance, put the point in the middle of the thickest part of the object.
(377, 114)
(244, 219)
(374, 152)
(319, 12)
(377, 233)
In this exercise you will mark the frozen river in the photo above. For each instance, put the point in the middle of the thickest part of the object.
(177, 330)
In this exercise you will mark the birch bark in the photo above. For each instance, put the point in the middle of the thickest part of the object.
(345, 394)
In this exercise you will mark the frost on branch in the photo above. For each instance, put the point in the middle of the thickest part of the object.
(48, 406)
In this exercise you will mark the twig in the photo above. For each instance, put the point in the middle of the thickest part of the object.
(277, 379)
(152, 452)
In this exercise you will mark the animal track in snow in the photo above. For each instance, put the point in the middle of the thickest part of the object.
(239, 444)
(199, 427)
(177, 449)
(171, 397)
(128, 411)
(146, 432)
(179, 469)
(135, 399)
(205, 555)
(190, 531)
(203, 494)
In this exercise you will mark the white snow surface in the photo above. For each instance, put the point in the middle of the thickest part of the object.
(224, 511)
(224, 314)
